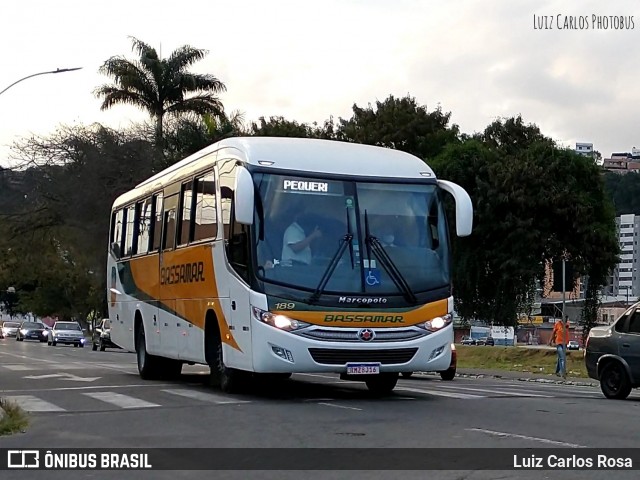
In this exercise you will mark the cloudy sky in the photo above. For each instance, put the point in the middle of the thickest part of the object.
(309, 60)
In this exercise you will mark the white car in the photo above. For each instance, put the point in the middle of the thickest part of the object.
(573, 345)
(68, 333)
(9, 329)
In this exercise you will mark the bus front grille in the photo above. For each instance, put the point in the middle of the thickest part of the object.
(329, 335)
(335, 356)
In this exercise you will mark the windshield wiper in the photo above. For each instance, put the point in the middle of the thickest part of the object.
(347, 239)
(373, 244)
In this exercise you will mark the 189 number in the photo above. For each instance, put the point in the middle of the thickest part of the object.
(285, 306)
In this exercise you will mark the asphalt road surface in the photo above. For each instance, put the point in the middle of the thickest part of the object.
(78, 398)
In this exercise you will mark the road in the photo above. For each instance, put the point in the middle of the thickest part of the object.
(80, 398)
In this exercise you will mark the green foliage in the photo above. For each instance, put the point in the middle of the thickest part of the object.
(624, 190)
(56, 216)
(280, 127)
(402, 124)
(14, 420)
(533, 202)
(161, 85)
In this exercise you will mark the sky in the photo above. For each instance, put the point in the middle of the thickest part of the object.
(310, 60)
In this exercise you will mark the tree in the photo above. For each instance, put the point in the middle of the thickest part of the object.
(533, 203)
(402, 124)
(191, 133)
(160, 86)
(56, 214)
(624, 191)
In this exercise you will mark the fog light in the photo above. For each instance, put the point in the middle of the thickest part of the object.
(282, 353)
(436, 352)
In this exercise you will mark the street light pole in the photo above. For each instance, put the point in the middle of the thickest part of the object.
(58, 70)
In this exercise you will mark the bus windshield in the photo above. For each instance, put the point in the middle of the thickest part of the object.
(350, 237)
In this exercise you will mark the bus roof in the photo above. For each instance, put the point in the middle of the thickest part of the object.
(300, 154)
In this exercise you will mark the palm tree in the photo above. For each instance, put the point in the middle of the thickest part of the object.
(160, 86)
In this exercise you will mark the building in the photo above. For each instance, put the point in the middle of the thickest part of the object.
(585, 149)
(548, 291)
(624, 280)
(623, 162)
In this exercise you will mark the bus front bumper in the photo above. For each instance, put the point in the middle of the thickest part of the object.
(275, 351)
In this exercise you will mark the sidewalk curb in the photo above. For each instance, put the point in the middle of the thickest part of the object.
(577, 383)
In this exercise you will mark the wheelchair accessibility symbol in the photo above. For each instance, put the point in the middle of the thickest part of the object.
(373, 278)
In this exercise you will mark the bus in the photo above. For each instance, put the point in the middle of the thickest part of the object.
(262, 257)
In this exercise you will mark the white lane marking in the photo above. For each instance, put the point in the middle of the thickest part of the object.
(63, 376)
(500, 392)
(92, 387)
(33, 404)
(119, 400)
(317, 375)
(466, 396)
(339, 406)
(206, 397)
(525, 437)
(71, 365)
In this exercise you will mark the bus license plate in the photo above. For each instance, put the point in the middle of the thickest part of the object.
(363, 368)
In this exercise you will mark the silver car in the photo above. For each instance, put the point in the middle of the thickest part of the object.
(68, 333)
(9, 329)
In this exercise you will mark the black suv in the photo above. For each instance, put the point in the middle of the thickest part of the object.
(612, 354)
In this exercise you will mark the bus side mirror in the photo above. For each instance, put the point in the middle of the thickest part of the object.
(243, 200)
(464, 207)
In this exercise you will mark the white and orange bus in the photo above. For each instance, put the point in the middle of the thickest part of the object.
(284, 255)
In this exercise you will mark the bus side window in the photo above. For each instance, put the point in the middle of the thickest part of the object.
(144, 225)
(129, 235)
(169, 224)
(206, 217)
(116, 233)
(169, 231)
(185, 225)
(156, 234)
(236, 235)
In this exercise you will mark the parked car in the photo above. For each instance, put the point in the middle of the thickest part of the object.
(32, 331)
(68, 333)
(573, 345)
(449, 373)
(486, 341)
(611, 354)
(9, 329)
(468, 341)
(101, 336)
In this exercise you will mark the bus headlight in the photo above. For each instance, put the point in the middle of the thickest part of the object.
(437, 323)
(281, 322)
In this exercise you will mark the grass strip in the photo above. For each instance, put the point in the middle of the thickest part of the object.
(519, 359)
(14, 420)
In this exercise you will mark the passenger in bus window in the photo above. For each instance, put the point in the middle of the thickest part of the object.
(296, 244)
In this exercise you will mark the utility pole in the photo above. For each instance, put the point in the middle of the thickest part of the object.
(564, 324)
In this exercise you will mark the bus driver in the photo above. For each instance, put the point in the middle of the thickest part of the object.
(296, 244)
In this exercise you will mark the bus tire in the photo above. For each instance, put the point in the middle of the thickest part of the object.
(148, 365)
(172, 369)
(226, 379)
(382, 383)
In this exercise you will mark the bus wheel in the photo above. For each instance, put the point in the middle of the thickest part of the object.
(382, 383)
(172, 369)
(148, 365)
(223, 377)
